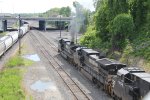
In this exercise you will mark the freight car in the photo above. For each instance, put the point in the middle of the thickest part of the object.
(8, 40)
(118, 80)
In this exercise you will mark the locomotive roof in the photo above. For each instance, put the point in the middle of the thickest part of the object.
(90, 51)
(122, 72)
(68, 42)
(144, 76)
(76, 46)
(107, 62)
(147, 79)
(65, 40)
(94, 57)
(127, 70)
(81, 47)
(134, 69)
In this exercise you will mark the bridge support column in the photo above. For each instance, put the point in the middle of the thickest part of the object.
(42, 25)
(4, 25)
(20, 22)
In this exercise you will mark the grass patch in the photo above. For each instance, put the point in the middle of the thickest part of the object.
(3, 33)
(11, 78)
(10, 84)
(18, 61)
(15, 61)
(15, 25)
(133, 58)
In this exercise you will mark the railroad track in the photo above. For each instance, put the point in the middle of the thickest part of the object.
(77, 92)
(54, 47)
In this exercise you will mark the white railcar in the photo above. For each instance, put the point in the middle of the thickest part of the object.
(2, 47)
(8, 40)
(14, 36)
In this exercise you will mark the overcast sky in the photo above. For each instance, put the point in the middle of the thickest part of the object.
(37, 6)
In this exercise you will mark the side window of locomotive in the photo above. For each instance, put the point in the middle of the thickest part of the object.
(112, 71)
(87, 54)
(79, 52)
(60, 41)
(122, 77)
(127, 79)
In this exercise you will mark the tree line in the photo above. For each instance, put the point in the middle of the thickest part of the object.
(117, 24)
(54, 12)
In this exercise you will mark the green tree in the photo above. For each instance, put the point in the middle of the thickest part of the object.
(139, 11)
(121, 27)
(54, 12)
(101, 22)
(116, 22)
(65, 11)
(106, 13)
(98, 3)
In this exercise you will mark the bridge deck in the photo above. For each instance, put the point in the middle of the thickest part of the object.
(38, 18)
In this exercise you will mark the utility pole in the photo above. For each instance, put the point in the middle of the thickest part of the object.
(19, 35)
(60, 26)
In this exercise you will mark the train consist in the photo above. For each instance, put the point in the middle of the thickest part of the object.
(8, 40)
(118, 80)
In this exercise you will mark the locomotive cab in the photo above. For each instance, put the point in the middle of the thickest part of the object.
(131, 84)
(67, 49)
(61, 44)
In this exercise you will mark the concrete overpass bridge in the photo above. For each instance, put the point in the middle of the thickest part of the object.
(42, 20)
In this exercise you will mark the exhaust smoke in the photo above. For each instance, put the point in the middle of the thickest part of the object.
(77, 24)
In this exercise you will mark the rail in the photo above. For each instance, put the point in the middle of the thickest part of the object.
(71, 84)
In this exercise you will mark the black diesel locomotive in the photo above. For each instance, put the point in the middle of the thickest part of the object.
(118, 80)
